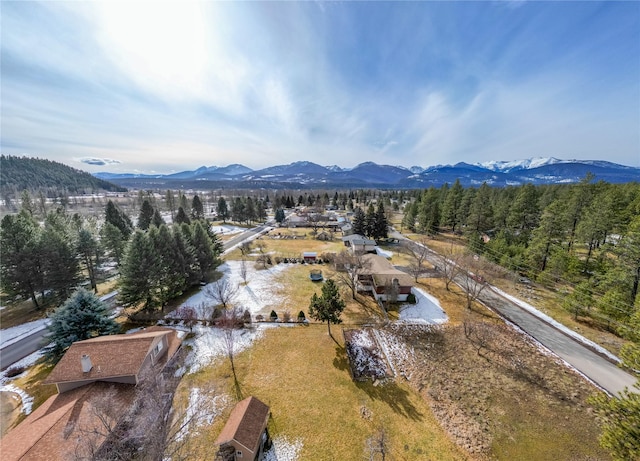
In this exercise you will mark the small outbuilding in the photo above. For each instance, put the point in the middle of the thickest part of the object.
(309, 256)
(245, 436)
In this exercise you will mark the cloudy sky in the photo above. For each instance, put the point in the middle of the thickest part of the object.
(161, 87)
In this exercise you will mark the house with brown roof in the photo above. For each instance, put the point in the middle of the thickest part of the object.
(383, 280)
(96, 381)
(113, 358)
(245, 435)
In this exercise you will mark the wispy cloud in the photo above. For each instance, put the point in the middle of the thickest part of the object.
(98, 161)
(176, 85)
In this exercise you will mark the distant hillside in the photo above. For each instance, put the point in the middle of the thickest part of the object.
(20, 173)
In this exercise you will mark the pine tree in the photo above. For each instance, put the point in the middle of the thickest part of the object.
(82, 316)
(113, 241)
(137, 272)
(145, 217)
(170, 201)
(451, 209)
(197, 209)
(168, 279)
(88, 249)
(222, 209)
(21, 256)
(190, 267)
(59, 261)
(359, 224)
(370, 221)
(480, 213)
(157, 219)
(329, 306)
(279, 216)
(118, 218)
(381, 225)
(181, 217)
(204, 252)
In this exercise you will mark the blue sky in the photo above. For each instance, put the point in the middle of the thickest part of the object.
(168, 86)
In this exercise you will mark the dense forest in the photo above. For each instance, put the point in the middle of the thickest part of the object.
(582, 239)
(53, 178)
(46, 260)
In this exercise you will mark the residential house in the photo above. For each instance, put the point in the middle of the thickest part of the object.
(245, 435)
(382, 279)
(359, 244)
(95, 378)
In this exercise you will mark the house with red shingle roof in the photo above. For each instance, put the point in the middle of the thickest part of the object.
(245, 435)
(96, 381)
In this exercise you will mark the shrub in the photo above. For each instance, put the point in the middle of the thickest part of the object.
(246, 316)
(260, 317)
(14, 371)
(273, 316)
(286, 316)
(411, 298)
(278, 259)
(301, 316)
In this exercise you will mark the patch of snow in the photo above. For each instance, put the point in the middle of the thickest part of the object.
(257, 296)
(27, 400)
(387, 254)
(283, 450)
(568, 331)
(426, 310)
(209, 344)
(365, 357)
(201, 410)
(399, 355)
(14, 334)
(248, 239)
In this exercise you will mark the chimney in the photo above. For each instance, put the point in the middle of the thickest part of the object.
(86, 363)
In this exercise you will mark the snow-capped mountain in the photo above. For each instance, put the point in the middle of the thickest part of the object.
(369, 174)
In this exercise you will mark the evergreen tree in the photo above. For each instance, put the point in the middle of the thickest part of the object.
(137, 272)
(27, 203)
(157, 219)
(197, 209)
(82, 316)
(21, 256)
(410, 216)
(222, 209)
(88, 250)
(451, 209)
(145, 217)
(189, 263)
(280, 217)
(381, 225)
(168, 279)
(548, 234)
(170, 202)
(181, 217)
(329, 306)
(524, 213)
(118, 218)
(359, 222)
(238, 213)
(60, 262)
(370, 221)
(480, 213)
(205, 255)
(113, 241)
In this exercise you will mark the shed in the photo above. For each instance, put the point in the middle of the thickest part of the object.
(309, 256)
(245, 436)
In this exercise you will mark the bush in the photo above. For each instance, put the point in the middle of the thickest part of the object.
(246, 316)
(260, 317)
(278, 259)
(286, 316)
(301, 316)
(14, 371)
(273, 316)
(411, 298)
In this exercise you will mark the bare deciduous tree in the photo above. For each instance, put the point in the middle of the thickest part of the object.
(472, 279)
(221, 291)
(350, 266)
(243, 270)
(449, 264)
(188, 315)
(229, 322)
(418, 253)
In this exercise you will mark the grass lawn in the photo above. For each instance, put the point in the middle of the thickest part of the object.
(302, 374)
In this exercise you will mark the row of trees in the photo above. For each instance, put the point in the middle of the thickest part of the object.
(584, 237)
(373, 224)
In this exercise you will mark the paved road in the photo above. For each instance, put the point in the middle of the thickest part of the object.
(23, 347)
(249, 233)
(597, 368)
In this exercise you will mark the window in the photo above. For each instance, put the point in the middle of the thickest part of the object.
(238, 454)
(158, 348)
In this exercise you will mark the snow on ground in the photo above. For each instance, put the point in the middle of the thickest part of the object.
(201, 410)
(569, 332)
(13, 334)
(27, 400)
(399, 356)
(283, 450)
(366, 360)
(209, 343)
(227, 229)
(257, 296)
(387, 254)
(25, 362)
(426, 310)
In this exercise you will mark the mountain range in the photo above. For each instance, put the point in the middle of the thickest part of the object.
(308, 174)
